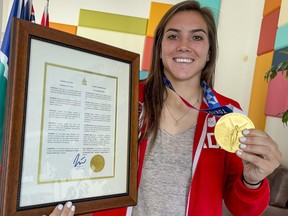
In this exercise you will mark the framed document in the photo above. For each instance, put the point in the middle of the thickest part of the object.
(71, 124)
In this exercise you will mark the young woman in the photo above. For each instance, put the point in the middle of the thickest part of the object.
(182, 170)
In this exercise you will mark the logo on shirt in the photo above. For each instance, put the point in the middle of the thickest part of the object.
(211, 121)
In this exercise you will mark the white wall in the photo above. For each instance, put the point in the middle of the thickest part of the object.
(238, 34)
(1, 17)
(238, 31)
(2, 20)
(275, 128)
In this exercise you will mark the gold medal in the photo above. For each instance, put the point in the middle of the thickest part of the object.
(97, 163)
(229, 129)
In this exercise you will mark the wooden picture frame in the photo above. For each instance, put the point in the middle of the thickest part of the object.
(71, 124)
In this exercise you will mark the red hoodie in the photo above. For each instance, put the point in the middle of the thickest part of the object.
(216, 177)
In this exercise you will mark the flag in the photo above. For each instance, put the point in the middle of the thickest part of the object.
(26, 10)
(20, 9)
(45, 16)
(32, 17)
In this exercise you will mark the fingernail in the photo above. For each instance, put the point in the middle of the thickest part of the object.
(60, 206)
(69, 204)
(242, 146)
(239, 153)
(73, 208)
(243, 139)
(245, 132)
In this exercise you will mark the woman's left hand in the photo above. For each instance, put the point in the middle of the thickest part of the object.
(260, 155)
(67, 210)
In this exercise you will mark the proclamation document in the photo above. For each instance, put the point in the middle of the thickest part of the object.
(79, 123)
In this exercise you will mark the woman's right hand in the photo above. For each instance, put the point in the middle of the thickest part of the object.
(67, 210)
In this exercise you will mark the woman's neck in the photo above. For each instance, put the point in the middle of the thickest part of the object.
(189, 91)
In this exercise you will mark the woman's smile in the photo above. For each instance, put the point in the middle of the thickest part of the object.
(183, 60)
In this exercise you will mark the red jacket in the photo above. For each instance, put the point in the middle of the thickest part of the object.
(217, 176)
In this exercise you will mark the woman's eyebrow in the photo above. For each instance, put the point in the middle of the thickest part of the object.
(198, 30)
(191, 31)
(173, 30)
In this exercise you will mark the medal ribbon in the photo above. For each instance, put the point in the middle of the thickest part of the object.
(214, 106)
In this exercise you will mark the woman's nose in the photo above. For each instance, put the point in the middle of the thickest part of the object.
(184, 46)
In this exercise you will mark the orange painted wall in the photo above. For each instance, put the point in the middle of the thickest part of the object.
(259, 91)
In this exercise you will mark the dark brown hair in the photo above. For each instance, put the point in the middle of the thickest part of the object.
(154, 85)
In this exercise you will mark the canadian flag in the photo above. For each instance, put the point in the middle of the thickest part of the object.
(45, 16)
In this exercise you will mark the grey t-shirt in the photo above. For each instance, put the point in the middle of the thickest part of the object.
(166, 175)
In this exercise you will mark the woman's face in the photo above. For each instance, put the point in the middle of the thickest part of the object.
(185, 46)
